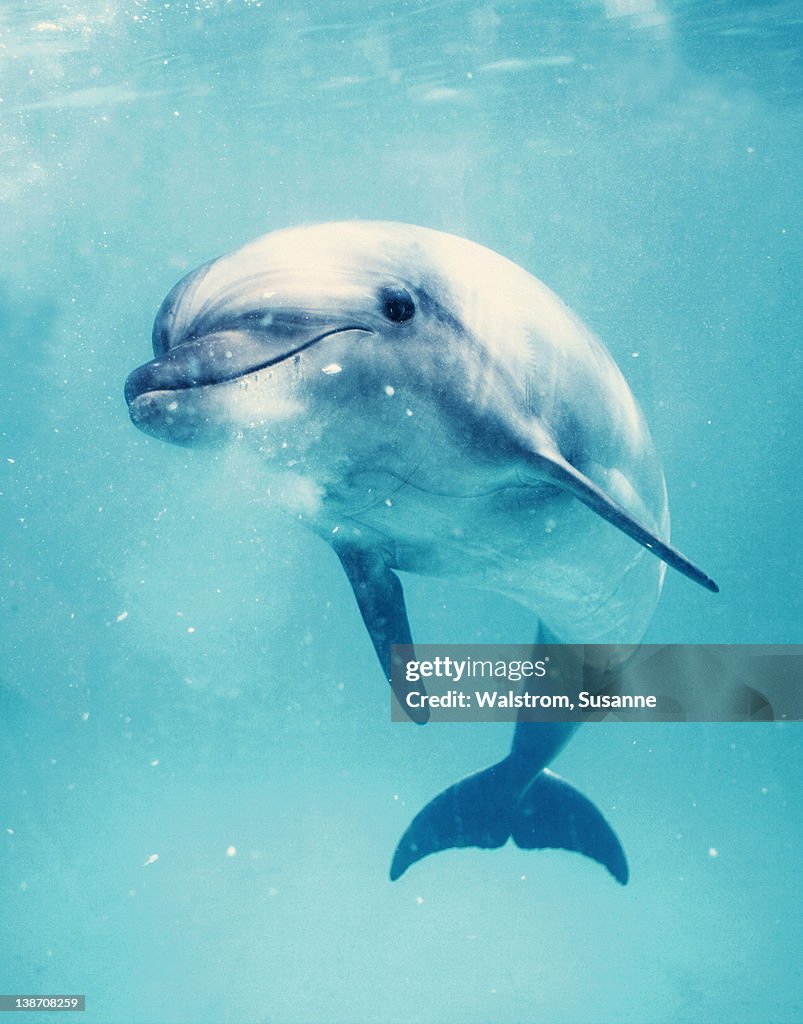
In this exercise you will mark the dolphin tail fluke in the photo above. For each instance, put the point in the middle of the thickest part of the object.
(552, 814)
(483, 811)
(475, 812)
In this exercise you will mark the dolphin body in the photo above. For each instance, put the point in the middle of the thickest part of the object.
(427, 406)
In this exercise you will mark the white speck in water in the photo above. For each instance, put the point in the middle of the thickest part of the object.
(332, 368)
(409, 412)
(172, 406)
(634, 355)
(390, 391)
(121, 617)
(228, 355)
(419, 900)
(190, 629)
(154, 762)
(388, 502)
(12, 461)
(10, 831)
(85, 716)
(550, 525)
(713, 852)
(151, 860)
(439, 94)
(231, 851)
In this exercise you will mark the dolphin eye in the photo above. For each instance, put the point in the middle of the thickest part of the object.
(397, 305)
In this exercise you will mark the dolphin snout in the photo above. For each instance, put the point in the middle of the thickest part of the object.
(200, 361)
(225, 356)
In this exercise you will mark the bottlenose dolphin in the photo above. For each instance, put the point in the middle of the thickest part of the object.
(442, 412)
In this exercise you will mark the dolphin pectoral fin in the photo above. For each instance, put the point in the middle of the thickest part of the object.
(553, 814)
(380, 598)
(474, 812)
(572, 480)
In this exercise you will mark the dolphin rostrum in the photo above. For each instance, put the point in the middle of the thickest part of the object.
(441, 412)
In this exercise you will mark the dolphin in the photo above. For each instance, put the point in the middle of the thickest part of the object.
(427, 406)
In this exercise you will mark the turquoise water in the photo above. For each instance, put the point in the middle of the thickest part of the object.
(201, 788)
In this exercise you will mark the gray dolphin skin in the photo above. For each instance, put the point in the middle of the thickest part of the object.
(426, 406)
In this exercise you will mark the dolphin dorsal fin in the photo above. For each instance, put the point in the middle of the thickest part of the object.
(564, 474)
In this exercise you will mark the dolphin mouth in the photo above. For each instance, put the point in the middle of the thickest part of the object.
(218, 358)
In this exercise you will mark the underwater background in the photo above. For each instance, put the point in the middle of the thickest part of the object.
(200, 786)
